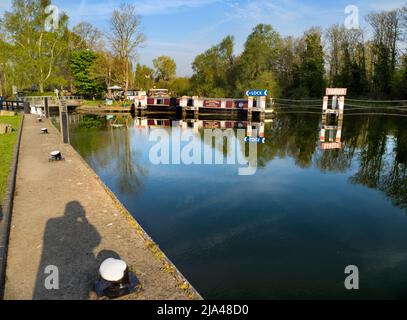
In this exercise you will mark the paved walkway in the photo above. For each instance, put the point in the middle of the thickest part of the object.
(63, 216)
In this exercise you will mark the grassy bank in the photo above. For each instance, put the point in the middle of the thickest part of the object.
(7, 143)
(95, 103)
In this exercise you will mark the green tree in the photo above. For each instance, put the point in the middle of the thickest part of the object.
(387, 31)
(165, 68)
(259, 58)
(213, 70)
(85, 81)
(181, 86)
(312, 68)
(144, 77)
(38, 48)
(125, 38)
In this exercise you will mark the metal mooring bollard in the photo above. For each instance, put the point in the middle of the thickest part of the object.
(115, 279)
(56, 156)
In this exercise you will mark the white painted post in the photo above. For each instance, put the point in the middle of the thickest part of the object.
(250, 102)
(195, 102)
(334, 102)
(339, 134)
(261, 130)
(183, 102)
(322, 135)
(261, 103)
(249, 129)
(325, 104)
(341, 104)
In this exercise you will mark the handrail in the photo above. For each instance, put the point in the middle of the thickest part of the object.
(40, 100)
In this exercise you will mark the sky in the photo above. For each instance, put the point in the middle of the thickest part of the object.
(184, 28)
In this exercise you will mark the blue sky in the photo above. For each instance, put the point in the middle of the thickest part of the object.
(184, 28)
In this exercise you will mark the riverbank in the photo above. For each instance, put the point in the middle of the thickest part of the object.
(64, 216)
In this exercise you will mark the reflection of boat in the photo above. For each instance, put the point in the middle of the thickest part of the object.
(255, 130)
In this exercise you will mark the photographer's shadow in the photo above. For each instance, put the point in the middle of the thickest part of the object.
(69, 242)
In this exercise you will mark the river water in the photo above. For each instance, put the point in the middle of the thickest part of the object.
(289, 228)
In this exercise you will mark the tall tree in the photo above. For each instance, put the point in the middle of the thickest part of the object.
(125, 38)
(387, 31)
(312, 64)
(90, 36)
(38, 48)
(165, 68)
(144, 77)
(213, 70)
(259, 57)
(85, 80)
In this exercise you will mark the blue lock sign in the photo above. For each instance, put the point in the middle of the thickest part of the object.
(256, 93)
(255, 140)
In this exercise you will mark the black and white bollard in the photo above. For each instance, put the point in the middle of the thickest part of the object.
(115, 279)
(56, 156)
(44, 131)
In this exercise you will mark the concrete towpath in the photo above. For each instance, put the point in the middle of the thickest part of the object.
(64, 216)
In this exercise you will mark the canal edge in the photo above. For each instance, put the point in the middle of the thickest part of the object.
(168, 265)
(6, 209)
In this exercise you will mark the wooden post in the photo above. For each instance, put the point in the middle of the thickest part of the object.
(26, 107)
(63, 117)
(46, 107)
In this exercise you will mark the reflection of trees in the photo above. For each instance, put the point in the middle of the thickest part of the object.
(379, 142)
(293, 135)
(372, 153)
(383, 160)
(338, 160)
(104, 147)
(128, 167)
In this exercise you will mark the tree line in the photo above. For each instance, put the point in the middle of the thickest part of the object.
(87, 62)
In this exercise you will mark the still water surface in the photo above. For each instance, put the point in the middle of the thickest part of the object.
(289, 230)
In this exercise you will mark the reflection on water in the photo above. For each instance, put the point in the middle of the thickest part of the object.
(325, 196)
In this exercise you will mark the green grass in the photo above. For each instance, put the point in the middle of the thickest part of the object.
(7, 143)
(92, 103)
(95, 103)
